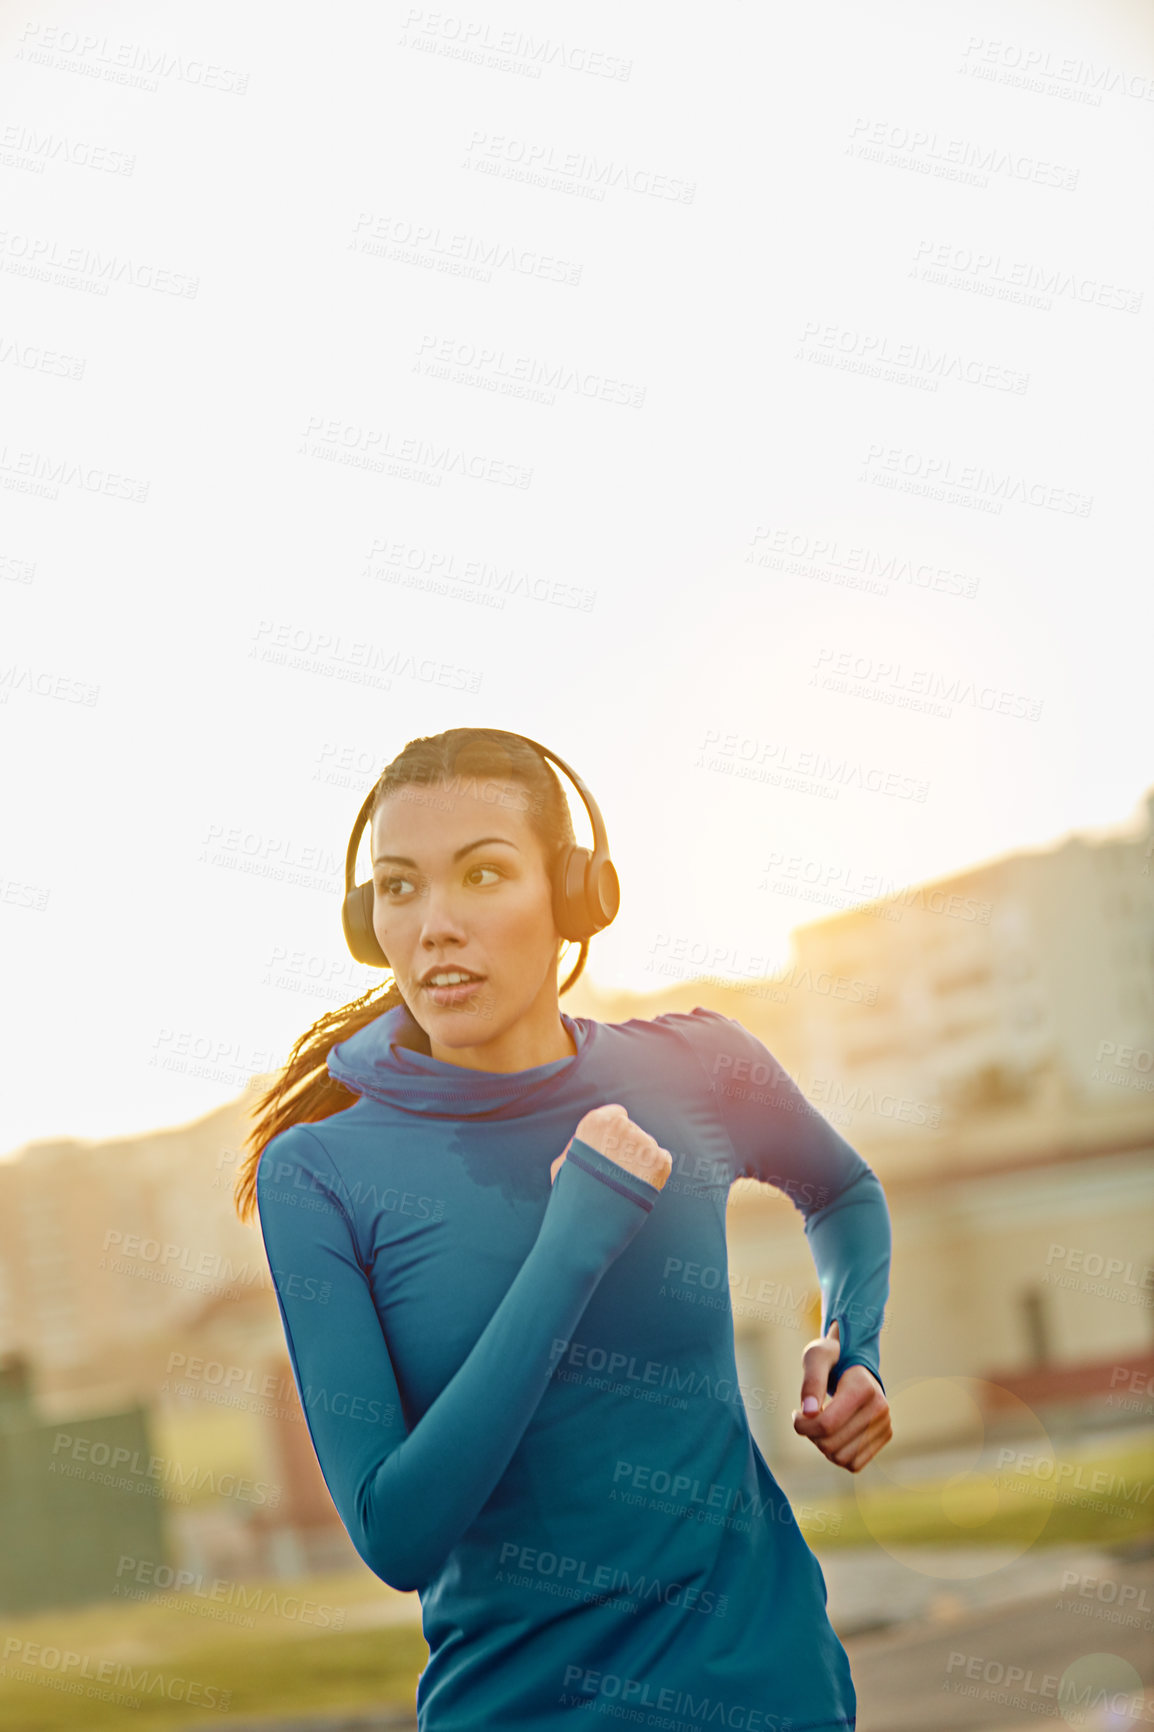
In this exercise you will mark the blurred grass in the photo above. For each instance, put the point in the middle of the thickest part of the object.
(260, 1677)
(265, 1660)
(991, 1508)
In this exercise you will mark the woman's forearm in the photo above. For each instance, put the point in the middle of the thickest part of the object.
(407, 1497)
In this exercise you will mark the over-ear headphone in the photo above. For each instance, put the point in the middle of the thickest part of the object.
(586, 890)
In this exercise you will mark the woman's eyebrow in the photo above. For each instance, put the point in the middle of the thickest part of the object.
(482, 842)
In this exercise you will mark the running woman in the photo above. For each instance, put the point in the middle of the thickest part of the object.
(492, 1229)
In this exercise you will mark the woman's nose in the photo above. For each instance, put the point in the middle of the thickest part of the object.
(441, 917)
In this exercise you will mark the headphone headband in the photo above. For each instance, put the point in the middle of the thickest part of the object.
(586, 890)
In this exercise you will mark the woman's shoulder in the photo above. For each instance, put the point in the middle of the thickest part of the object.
(306, 1147)
(297, 1148)
(720, 1043)
(689, 1025)
(332, 1150)
(677, 1033)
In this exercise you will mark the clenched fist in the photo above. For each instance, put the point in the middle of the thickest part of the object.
(612, 1133)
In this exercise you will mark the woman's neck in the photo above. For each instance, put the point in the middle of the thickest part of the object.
(521, 1047)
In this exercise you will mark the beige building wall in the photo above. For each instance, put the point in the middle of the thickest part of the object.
(989, 1278)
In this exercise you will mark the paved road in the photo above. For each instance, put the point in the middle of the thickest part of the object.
(902, 1675)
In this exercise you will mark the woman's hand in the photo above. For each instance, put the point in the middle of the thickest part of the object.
(612, 1133)
(855, 1422)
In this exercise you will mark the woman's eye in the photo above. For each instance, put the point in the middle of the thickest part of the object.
(392, 888)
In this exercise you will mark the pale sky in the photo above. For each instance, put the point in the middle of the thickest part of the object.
(780, 372)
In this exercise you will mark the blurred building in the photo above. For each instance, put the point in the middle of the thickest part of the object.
(127, 1280)
(986, 1042)
(108, 1248)
(76, 1498)
(1017, 998)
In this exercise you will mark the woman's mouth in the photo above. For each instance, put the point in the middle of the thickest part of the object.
(449, 988)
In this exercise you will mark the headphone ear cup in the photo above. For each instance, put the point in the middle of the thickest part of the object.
(569, 910)
(606, 891)
(584, 900)
(357, 920)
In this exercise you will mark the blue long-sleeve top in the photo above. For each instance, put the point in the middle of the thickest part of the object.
(518, 1410)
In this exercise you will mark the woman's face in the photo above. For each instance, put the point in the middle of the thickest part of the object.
(459, 885)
